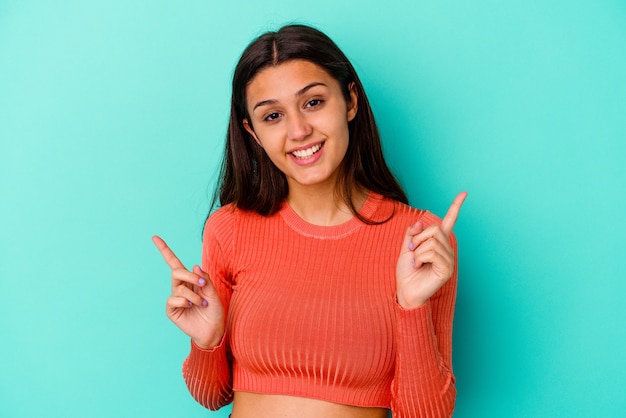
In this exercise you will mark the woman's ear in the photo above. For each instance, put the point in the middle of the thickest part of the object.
(353, 106)
(249, 129)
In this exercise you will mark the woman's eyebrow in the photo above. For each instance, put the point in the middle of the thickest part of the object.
(298, 94)
(308, 87)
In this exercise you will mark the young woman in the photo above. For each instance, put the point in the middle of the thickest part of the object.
(321, 292)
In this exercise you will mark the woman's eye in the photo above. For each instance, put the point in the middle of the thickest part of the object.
(314, 102)
(271, 117)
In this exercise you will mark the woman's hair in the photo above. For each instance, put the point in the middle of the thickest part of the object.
(248, 178)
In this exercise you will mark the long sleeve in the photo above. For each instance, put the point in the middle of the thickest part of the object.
(208, 373)
(423, 384)
(208, 376)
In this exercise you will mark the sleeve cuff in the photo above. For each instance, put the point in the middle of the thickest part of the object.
(196, 347)
(417, 336)
(416, 322)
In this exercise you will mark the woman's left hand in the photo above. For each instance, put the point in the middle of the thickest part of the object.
(426, 259)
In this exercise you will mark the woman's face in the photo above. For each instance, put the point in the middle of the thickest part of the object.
(299, 115)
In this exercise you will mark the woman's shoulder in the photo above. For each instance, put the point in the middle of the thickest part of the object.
(228, 218)
(222, 213)
(407, 213)
(219, 225)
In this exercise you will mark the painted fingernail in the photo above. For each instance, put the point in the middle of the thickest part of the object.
(201, 281)
(411, 246)
(189, 303)
(413, 263)
(205, 303)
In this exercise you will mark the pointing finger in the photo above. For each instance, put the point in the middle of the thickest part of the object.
(168, 255)
(450, 219)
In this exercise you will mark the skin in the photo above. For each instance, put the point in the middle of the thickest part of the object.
(294, 106)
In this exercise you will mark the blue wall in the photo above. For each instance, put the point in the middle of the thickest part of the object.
(112, 117)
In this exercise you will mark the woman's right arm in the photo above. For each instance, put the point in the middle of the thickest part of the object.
(198, 305)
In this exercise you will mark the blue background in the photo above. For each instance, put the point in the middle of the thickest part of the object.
(112, 119)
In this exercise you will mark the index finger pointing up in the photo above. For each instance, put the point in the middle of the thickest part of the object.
(453, 212)
(168, 255)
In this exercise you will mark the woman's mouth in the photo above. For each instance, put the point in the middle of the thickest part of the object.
(305, 154)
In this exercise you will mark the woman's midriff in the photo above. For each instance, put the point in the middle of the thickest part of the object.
(255, 405)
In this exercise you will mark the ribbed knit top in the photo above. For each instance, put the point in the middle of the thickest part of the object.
(312, 312)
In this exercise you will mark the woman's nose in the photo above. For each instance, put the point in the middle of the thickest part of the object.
(298, 127)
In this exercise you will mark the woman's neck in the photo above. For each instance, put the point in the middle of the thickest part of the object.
(322, 206)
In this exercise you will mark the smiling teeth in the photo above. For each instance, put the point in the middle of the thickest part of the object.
(307, 153)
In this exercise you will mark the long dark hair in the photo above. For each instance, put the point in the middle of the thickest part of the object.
(249, 179)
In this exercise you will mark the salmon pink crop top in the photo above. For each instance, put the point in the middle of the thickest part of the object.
(312, 312)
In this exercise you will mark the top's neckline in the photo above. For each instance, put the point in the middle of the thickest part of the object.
(305, 228)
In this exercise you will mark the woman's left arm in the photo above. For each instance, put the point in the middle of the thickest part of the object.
(426, 292)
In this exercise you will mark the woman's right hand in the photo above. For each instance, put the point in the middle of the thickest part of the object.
(194, 305)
